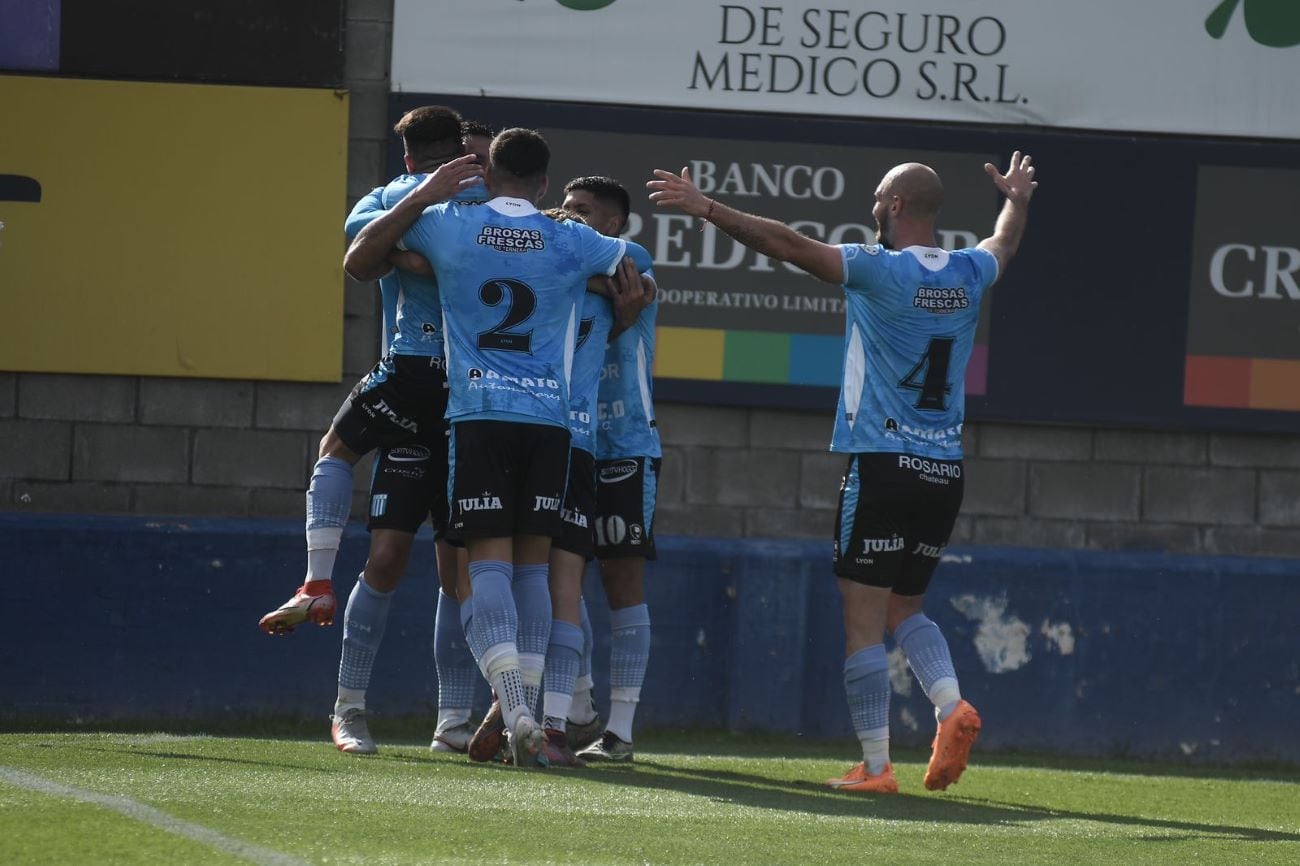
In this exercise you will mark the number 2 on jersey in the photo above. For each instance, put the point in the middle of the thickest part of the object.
(930, 375)
(522, 302)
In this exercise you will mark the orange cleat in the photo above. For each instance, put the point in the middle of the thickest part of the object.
(951, 747)
(312, 602)
(858, 780)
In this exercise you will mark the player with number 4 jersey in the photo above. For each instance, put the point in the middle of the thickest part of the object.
(911, 317)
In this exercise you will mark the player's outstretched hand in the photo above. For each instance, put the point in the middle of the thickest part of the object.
(448, 180)
(1018, 183)
(678, 191)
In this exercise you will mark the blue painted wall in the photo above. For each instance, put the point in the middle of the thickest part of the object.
(1068, 652)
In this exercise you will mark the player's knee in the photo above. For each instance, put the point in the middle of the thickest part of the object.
(384, 567)
(902, 607)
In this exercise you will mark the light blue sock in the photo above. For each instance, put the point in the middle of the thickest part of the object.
(329, 499)
(927, 653)
(581, 709)
(492, 628)
(629, 654)
(364, 622)
(533, 601)
(493, 619)
(866, 684)
(457, 672)
(562, 656)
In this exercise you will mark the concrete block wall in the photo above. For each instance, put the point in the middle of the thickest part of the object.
(116, 444)
(763, 473)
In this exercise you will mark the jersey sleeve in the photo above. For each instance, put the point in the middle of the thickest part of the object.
(599, 253)
(641, 256)
(986, 266)
(863, 264)
(370, 206)
(421, 237)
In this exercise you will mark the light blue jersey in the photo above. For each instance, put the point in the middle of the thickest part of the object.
(597, 318)
(910, 326)
(412, 306)
(512, 280)
(625, 413)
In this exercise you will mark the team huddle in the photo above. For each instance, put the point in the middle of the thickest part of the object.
(512, 407)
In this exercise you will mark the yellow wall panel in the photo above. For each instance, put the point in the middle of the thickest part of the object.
(689, 353)
(183, 230)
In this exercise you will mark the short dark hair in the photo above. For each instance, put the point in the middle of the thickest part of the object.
(476, 127)
(522, 153)
(559, 214)
(604, 189)
(431, 132)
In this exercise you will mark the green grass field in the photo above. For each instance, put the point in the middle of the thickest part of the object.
(708, 798)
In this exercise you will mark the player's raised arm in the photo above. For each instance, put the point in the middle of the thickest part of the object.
(367, 258)
(1018, 186)
(771, 238)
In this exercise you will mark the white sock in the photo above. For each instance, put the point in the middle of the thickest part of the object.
(448, 719)
(556, 709)
(944, 694)
(875, 750)
(322, 550)
(582, 711)
(500, 663)
(622, 707)
(531, 667)
(349, 699)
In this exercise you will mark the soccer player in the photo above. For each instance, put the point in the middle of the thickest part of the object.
(602, 318)
(628, 459)
(397, 408)
(511, 282)
(912, 312)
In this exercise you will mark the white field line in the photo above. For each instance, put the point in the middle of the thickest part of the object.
(150, 815)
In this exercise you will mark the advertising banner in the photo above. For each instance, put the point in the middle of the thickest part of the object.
(1214, 67)
(1243, 328)
(171, 230)
(730, 314)
(1150, 265)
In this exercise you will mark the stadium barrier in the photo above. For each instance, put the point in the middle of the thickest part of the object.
(1069, 652)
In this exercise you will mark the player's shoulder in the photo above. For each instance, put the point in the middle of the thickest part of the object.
(397, 188)
(980, 265)
(641, 256)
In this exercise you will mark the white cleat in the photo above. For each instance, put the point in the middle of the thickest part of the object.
(528, 743)
(351, 733)
(453, 738)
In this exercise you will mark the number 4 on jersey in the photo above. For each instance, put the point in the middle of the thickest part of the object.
(930, 376)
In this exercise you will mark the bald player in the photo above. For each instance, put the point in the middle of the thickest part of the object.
(912, 309)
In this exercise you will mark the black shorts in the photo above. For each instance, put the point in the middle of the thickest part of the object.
(625, 507)
(579, 509)
(895, 517)
(403, 399)
(506, 479)
(409, 484)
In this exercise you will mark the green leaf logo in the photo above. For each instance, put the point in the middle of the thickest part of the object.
(585, 5)
(1275, 23)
